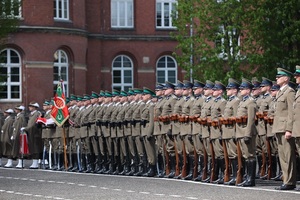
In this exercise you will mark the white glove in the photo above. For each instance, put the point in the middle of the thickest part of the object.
(12, 137)
(23, 128)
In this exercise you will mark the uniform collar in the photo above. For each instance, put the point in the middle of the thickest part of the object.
(218, 98)
(245, 97)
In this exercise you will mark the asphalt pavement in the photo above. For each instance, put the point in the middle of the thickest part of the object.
(29, 184)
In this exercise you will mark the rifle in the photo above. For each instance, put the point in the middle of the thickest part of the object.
(226, 171)
(195, 173)
(239, 174)
(269, 159)
(263, 165)
(212, 175)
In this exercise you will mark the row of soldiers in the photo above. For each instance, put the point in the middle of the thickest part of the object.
(187, 131)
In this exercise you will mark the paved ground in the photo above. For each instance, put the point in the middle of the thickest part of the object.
(44, 184)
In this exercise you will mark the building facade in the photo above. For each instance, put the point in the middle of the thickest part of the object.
(91, 45)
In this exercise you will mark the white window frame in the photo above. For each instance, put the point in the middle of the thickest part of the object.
(62, 11)
(58, 55)
(224, 55)
(162, 3)
(122, 69)
(8, 82)
(116, 14)
(12, 9)
(167, 69)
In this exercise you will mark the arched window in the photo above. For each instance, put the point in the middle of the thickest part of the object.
(61, 70)
(122, 73)
(166, 69)
(10, 75)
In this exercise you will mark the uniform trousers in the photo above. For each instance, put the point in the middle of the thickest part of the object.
(248, 148)
(231, 148)
(150, 149)
(198, 144)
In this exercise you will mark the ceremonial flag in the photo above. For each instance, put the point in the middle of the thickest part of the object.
(59, 112)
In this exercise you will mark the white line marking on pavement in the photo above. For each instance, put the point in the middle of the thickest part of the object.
(82, 185)
(130, 191)
(159, 194)
(174, 195)
(41, 181)
(92, 186)
(191, 197)
(144, 192)
(32, 179)
(16, 178)
(60, 182)
(117, 189)
(104, 188)
(70, 183)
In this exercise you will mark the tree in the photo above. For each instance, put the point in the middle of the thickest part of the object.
(235, 38)
(9, 19)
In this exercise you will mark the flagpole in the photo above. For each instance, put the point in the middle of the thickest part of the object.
(65, 149)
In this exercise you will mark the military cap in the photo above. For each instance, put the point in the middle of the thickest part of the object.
(292, 85)
(169, 85)
(246, 84)
(86, 97)
(34, 104)
(115, 92)
(187, 84)
(123, 93)
(9, 111)
(148, 91)
(46, 103)
(283, 72)
(198, 84)
(20, 107)
(179, 85)
(255, 83)
(219, 86)
(79, 98)
(297, 72)
(275, 86)
(209, 85)
(159, 86)
(130, 91)
(102, 93)
(232, 83)
(94, 95)
(108, 94)
(265, 82)
(73, 97)
(137, 91)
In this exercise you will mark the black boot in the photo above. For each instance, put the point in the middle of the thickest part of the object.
(200, 167)
(71, 163)
(191, 168)
(75, 162)
(60, 162)
(54, 160)
(160, 163)
(172, 167)
(89, 164)
(98, 163)
(208, 170)
(220, 173)
(111, 164)
(251, 171)
(140, 171)
(259, 161)
(133, 166)
(151, 171)
(234, 164)
(215, 171)
(118, 166)
(278, 177)
(273, 167)
(83, 163)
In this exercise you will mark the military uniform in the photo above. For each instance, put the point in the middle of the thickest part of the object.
(6, 133)
(246, 132)
(282, 127)
(229, 128)
(296, 123)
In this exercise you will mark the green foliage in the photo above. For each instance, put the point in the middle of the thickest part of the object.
(237, 38)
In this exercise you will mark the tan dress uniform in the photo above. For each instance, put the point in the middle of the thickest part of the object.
(19, 122)
(246, 133)
(6, 133)
(35, 144)
(147, 116)
(283, 121)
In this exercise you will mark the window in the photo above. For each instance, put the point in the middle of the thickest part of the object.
(61, 9)
(122, 13)
(10, 75)
(222, 44)
(122, 69)
(165, 10)
(166, 69)
(61, 70)
(11, 8)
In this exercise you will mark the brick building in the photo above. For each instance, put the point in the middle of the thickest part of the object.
(91, 45)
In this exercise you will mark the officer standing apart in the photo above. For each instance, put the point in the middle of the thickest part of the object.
(282, 127)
